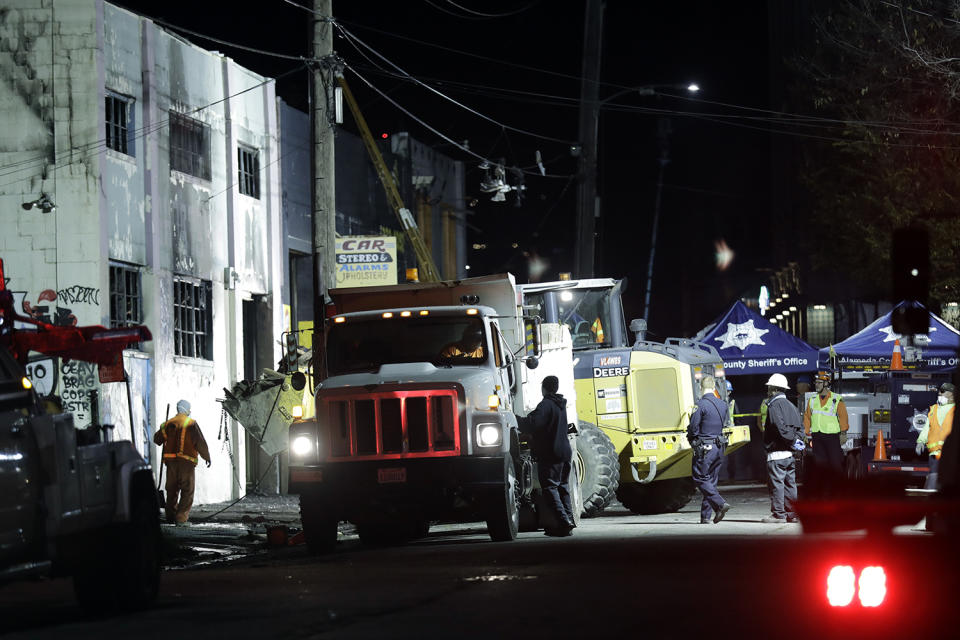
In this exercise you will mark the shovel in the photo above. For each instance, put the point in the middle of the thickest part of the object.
(161, 497)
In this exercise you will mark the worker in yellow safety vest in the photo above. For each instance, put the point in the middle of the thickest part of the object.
(939, 425)
(182, 442)
(825, 423)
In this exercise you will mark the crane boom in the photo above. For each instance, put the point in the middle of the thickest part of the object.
(428, 270)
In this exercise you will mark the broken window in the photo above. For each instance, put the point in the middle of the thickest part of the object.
(189, 146)
(192, 318)
(126, 298)
(119, 123)
(248, 163)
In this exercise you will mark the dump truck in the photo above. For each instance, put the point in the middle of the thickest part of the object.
(72, 502)
(634, 400)
(413, 424)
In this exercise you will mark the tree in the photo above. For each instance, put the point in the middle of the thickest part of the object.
(884, 82)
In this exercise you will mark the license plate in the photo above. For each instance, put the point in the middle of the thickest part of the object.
(392, 474)
(307, 475)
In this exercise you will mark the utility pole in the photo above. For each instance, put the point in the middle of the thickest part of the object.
(324, 219)
(664, 131)
(587, 209)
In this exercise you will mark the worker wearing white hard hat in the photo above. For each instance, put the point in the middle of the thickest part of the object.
(782, 435)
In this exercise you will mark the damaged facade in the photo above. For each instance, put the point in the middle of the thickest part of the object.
(158, 164)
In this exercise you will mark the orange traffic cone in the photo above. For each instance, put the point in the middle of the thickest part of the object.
(880, 450)
(896, 360)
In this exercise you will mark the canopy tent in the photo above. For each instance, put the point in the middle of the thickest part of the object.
(749, 344)
(872, 348)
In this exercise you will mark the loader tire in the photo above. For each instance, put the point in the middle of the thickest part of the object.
(598, 468)
(320, 531)
(660, 496)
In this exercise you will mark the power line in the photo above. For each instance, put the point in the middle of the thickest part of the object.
(505, 14)
(354, 40)
(432, 129)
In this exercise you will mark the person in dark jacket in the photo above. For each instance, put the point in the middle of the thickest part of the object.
(551, 447)
(705, 435)
(782, 435)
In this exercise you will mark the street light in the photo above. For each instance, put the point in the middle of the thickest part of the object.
(587, 206)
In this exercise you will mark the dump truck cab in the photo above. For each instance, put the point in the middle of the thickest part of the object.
(415, 411)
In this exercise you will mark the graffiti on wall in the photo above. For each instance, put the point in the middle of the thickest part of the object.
(78, 379)
(44, 374)
(58, 314)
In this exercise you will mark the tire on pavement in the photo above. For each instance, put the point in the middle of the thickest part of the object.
(598, 468)
(660, 496)
(502, 510)
(320, 531)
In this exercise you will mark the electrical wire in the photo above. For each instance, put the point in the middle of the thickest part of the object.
(506, 14)
(354, 40)
(451, 13)
(242, 47)
(432, 129)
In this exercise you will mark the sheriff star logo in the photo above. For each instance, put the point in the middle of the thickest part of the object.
(741, 335)
(891, 336)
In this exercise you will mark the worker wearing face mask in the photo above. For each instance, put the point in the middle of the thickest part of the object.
(825, 423)
(939, 424)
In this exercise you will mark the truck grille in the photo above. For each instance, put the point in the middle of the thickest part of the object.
(392, 424)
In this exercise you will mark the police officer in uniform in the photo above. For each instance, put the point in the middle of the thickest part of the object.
(705, 434)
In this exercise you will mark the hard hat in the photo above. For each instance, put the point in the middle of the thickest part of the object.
(779, 381)
(729, 386)
(946, 386)
(183, 407)
(823, 376)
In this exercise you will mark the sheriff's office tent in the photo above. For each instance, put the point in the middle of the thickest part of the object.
(750, 344)
(872, 348)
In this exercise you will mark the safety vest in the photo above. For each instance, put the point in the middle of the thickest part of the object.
(938, 431)
(824, 419)
(176, 444)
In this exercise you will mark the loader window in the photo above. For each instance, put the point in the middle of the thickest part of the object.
(585, 311)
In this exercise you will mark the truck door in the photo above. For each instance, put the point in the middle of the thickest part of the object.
(503, 359)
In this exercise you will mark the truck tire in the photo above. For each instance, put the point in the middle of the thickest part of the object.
(503, 513)
(660, 496)
(598, 468)
(319, 530)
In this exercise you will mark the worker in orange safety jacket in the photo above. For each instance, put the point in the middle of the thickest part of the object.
(939, 425)
(182, 442)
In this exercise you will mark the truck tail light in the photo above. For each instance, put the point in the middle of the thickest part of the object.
(843, 585)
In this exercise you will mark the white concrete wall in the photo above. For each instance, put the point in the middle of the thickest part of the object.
(57, 61)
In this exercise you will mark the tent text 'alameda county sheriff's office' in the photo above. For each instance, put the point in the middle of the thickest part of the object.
(872, 348)
(750, 344)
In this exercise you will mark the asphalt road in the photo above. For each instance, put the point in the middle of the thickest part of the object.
(661, 576)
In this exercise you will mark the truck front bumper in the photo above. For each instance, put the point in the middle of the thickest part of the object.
(386, 489)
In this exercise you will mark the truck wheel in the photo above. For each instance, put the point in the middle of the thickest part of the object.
(503, 514)
(576, 494)
(319, 530)
(597, 467)
(139, 545)
(660, 496)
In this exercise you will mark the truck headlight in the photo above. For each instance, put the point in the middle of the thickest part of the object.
(489, 435)
(302, 446)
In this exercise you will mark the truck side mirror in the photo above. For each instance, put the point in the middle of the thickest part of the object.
(532, 362)
(531, 337)
(298, 380)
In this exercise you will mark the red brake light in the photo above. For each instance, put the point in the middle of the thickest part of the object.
(872, 586)
(840, 586)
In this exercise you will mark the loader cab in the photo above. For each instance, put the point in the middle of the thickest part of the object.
(590, 309)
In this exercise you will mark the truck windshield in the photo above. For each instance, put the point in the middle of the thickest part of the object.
(585, 311)
(363, 345)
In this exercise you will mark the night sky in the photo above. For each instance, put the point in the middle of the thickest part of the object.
(523, 70)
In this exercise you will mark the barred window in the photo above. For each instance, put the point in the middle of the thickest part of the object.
(192, 306)
(248, 163)
(118, 119)
(126, 297)
(189, 146)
